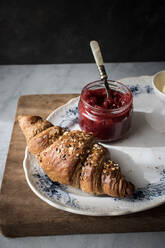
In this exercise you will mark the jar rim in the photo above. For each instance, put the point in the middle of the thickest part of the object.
(115, 110)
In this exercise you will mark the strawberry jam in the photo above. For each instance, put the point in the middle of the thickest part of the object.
(109, 118)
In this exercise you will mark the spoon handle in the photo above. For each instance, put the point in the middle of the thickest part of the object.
(98, 58)
(100, 64)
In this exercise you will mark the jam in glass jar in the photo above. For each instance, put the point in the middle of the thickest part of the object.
(109, 119)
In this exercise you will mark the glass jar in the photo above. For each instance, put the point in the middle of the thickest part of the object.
(107, 124)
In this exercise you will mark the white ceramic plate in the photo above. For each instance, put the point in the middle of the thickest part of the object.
(141, 156)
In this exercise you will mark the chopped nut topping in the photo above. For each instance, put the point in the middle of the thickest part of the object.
(64, 157)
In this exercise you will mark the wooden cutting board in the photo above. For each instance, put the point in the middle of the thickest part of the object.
(22, 213)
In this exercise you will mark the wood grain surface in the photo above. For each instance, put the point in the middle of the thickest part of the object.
(22, 213)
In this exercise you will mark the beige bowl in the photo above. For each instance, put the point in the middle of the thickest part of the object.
(158, 82)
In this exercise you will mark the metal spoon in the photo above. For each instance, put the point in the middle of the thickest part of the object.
(100, 64)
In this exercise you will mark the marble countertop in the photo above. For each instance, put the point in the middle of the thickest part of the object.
(64, 78)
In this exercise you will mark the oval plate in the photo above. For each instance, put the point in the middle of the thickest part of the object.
(141, 156)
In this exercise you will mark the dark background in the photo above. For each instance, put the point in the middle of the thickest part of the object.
(41, 32)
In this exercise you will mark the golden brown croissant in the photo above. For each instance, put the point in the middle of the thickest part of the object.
(73, 158)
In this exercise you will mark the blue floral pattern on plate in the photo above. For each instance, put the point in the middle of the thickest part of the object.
(53, 190)
(137, 89)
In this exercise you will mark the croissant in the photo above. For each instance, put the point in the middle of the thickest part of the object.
(74, 158)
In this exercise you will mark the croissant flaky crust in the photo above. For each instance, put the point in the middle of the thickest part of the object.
(73, 158)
